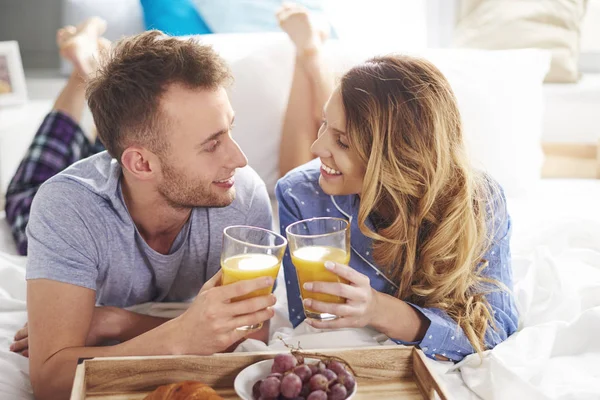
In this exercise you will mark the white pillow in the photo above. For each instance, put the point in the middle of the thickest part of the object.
(499, 95)
(508, 24)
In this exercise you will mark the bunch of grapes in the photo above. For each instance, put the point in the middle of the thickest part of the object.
(291, 378)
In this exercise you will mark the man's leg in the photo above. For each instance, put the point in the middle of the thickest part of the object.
(59, 141)
(312, 85)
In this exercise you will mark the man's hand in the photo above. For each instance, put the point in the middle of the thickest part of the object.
(21, 341)
(209, 325)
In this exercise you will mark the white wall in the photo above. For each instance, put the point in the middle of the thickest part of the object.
(590, 32)
(441, 19)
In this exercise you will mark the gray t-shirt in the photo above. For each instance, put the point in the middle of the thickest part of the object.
(81, 233)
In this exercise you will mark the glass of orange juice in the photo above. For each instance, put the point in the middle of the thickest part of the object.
(312, 242)
(250, 252)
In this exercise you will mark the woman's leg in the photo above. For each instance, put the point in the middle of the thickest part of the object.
(312, 85)
(59, 141)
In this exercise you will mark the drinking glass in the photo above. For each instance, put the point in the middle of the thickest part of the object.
(250, 252)
(312, 242)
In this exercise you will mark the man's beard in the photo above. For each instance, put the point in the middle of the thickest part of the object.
(181, 192)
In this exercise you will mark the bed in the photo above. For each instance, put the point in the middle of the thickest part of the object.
(555, 354)
(556, 235)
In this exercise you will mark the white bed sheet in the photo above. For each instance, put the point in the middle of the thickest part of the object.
(555, 354)
(7, 244)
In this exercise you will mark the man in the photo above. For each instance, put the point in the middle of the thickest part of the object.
(143, 221)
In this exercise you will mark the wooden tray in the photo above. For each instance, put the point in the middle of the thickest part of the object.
(383, 372)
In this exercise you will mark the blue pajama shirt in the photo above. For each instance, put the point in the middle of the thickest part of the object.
(300, 197)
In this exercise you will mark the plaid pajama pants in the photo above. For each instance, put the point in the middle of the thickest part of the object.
(58, 143)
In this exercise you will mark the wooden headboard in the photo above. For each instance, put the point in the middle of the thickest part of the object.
(571, 160)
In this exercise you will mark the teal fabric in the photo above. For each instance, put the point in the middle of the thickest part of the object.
(243, 16)
(174, 17)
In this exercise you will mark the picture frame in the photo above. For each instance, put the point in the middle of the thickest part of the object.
(13, 90)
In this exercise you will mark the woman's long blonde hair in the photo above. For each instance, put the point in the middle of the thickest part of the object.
(434, 209)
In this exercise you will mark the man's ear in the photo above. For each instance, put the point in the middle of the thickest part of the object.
(140, 162)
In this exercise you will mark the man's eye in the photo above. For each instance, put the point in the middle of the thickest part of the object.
(213, 146)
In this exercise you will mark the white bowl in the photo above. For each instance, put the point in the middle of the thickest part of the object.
(247, 378)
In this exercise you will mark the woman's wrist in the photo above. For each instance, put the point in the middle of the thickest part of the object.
(419, 325)
(397, 319)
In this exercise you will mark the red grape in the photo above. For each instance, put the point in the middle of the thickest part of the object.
(275, 375)
(291, 385)
(318, 382)
(304, 372)
(347, 379)
(330, 375)
(336, 367)
(317, 395)
(305, 390)
(270, 387)
(256, 390)
(337, 392)
(291, 379)
(283, 362)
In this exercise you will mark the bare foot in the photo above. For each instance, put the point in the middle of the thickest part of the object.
(104, 45)
(82, 44)
(301, 28)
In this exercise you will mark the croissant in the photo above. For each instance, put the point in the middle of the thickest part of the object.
(186, 390)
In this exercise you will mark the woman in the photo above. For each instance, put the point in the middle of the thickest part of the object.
(430, 262)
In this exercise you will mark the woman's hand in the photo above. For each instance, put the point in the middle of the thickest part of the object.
(361, 299)
(365, 306)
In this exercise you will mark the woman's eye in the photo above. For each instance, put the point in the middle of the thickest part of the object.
(342, 145)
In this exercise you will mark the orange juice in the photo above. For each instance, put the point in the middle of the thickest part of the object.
(250, 266)
(310, 267)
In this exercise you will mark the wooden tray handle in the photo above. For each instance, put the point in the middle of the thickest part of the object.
(430, 388)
